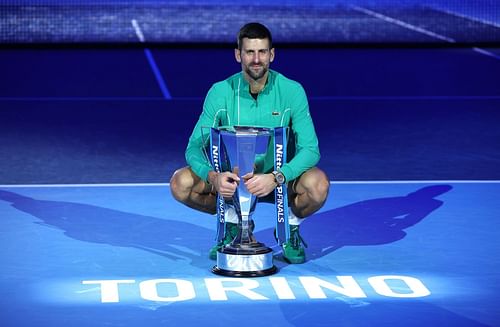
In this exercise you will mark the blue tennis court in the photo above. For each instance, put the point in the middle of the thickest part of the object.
(383, 253)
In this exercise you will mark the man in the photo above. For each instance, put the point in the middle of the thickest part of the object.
(256, 96)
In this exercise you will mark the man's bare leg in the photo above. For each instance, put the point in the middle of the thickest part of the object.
(189, 189)
(309, 192)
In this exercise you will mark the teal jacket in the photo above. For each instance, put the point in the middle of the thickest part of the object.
(282, 102)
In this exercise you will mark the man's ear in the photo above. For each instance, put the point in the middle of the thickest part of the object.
(272, 55)
(237, 55)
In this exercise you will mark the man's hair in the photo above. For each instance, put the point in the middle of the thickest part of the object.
(254, 31)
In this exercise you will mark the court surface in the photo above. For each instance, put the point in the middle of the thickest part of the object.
(379, 254)
(334, 21)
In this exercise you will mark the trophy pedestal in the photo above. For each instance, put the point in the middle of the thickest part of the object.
(253, 260)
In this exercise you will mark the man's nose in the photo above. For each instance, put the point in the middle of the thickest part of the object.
(256, 58)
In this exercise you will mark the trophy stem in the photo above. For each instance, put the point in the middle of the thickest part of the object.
(245, 230)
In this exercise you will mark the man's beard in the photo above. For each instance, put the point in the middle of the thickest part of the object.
(256, 75)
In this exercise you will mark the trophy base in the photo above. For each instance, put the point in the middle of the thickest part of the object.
(251, 264)
(231, 273)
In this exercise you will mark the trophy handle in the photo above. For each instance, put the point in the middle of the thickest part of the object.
(281, 191)
(216, 154)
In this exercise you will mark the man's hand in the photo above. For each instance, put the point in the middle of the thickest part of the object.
(260, 185)
(225, 183)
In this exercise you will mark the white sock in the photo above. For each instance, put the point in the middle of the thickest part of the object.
(230, 215)
(293, 219)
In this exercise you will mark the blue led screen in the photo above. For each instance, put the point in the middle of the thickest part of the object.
(295, 21)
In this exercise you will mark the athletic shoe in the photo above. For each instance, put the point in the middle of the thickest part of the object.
(293, 251)
(230, 234)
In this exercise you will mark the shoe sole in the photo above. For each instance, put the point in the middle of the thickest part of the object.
(294, 261)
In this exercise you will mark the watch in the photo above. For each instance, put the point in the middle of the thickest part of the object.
(279, 177)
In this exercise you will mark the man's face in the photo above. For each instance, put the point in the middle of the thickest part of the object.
(255, 57)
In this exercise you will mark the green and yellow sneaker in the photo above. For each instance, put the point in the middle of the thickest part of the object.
(231, 232)
(293, 251)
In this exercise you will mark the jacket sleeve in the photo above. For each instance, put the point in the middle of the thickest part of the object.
(196, 156)
(306, 142)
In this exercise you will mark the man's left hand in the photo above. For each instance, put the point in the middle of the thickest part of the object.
(260, 185)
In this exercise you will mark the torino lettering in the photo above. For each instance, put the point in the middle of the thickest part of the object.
(225, 289)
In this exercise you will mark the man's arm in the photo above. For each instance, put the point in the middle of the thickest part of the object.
(195, 151)
(306, 142)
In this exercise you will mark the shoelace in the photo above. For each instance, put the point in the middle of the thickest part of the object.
(296, 239)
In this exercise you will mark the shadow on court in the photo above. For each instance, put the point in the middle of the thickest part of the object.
(369, 222)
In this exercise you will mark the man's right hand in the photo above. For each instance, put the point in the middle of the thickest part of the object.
(225, 183)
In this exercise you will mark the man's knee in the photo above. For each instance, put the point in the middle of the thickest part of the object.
(181, 184)
(317, 185)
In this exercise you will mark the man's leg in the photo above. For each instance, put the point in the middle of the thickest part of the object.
(308, 193)
(189, 189)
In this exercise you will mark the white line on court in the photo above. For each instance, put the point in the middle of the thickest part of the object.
(420, 182)
(152, 63)
(331, 182)
(486, 53)
(407, 97)
(138, 31)
(474, 19)
(86, 185)
(403, 24)
(423, 30)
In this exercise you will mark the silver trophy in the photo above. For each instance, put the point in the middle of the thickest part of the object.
(238, 149)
